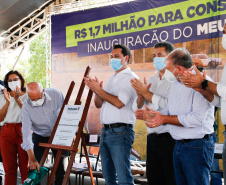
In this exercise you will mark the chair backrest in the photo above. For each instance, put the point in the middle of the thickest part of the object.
(92, 139)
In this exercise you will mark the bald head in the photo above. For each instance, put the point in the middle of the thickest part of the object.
(181, 57)
(34, 90)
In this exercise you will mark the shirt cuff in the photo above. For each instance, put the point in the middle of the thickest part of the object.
(123, 98)
(27, 147)
(182, 120)
(155, 101)
(215, 101)
(221, 90)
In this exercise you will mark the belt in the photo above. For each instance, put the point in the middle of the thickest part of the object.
(159, 135)
(12, 124)
(116, 125)
(188, 140)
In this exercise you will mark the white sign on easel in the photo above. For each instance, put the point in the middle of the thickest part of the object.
(68, 125)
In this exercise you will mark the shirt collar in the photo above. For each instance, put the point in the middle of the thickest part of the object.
(125, 71)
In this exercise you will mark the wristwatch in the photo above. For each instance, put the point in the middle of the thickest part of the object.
(204, 84)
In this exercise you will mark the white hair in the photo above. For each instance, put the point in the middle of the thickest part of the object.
(40, 87)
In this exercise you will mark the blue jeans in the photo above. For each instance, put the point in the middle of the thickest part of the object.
(192, 161)
(115, 150)
(215, 177)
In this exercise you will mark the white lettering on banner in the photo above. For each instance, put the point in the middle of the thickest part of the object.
(210, 27)
(186, 28)
(175, 33)
(155, 36)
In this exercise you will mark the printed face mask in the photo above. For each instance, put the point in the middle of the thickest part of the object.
(38, 102)
(159, 63)
(170, 76)
(12, 85)
(116, 64)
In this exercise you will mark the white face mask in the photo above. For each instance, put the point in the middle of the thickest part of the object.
(170, 76)
(38, 102)
(12, 85)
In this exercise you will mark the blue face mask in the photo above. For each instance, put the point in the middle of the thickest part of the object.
(116, 64)
(159, 63)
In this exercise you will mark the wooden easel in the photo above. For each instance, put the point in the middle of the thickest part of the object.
(74, 147)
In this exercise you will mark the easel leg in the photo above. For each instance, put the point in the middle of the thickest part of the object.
(68, 171)
(54, 169)
(87, 159)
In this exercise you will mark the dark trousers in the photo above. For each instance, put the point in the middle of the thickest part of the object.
(38, 151)
(159, 165)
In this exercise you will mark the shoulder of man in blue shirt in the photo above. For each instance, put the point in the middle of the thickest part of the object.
(51, 92)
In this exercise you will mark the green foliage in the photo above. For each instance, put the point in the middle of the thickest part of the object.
(34, 69)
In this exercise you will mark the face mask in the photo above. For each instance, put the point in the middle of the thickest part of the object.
(12, 85)
(38, 102)
(159, 63)
(170, 76)
(116, 64)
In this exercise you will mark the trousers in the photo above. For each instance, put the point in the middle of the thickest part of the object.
(115, 150)
(159, 164)
(38, 152)
(10, 145)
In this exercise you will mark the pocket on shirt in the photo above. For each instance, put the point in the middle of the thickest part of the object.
(56, 112)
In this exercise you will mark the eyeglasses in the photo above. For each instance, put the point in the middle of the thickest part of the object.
(15, 79)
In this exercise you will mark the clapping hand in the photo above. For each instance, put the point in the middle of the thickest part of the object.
(192, 80)
(17, 93)
(140, 88)
(93, 84)
(7, 95)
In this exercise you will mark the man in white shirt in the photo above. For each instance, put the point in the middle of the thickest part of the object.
(160, 144)
(191, 119)
(214, 93)
(117, 116)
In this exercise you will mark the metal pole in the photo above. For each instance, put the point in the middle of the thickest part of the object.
(18, 58)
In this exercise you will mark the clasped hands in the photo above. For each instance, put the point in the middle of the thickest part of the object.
(191, 80)
(94, 84)
(140, 88)
(153, 118)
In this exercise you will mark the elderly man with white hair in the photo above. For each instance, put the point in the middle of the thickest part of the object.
(39, 114)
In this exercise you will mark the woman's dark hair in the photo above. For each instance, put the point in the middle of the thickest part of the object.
(19, 75)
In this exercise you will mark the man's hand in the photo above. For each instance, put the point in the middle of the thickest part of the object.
(93, 84)
(140, 114)
(33, 165)
(192, 80)
(153, 118)
(7, 95)
(140, 88)
(97, 80)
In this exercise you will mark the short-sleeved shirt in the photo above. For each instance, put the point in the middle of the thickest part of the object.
(119, 85)
(13, 112)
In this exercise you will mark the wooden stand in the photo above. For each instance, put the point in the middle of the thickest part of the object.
(74, 147)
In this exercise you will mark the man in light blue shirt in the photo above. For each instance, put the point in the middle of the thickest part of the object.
(39, 114)
(191, 119)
